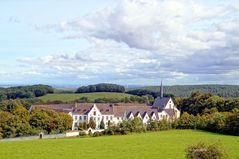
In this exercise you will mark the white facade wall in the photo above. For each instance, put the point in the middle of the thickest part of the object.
(153, 117)
(163, 115)
(139, 116)
(131, 116)
(146, 118)
(98, 117)
(72, 134)
(170, 105)
(117, 120)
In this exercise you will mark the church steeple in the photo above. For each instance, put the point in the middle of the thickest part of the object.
(161, 89)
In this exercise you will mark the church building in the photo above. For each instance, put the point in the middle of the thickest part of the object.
(162, 108)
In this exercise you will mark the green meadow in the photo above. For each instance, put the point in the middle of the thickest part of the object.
(92, 96)
(157, 145)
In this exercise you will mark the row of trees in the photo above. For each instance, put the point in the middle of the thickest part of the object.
(85, 125)
(10, 105)
(212, 120)
(143, 92)
(148, 99)
(135, 125)
(24, 92)
(198, 101)
(20, 122)
(102, 87)
(226, 91)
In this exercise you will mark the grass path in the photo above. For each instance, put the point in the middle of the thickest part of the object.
(158, 145)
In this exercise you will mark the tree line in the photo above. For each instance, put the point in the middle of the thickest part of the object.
(20, 122)
(202, 111)
(226, 91)
(143, 92)
(147, 99)
(209, 112)
(197, 102)
(102, 87)
(11, 104)
(24, 92)
(212, 120)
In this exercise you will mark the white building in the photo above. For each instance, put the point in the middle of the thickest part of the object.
(163, 108)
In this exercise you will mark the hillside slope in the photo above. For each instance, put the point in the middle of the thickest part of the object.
(186, 90)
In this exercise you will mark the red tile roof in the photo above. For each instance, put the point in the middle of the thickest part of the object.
(84, 108)
(118, 110)
(57, 107)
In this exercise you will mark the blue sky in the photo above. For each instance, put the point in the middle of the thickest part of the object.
(127, 41)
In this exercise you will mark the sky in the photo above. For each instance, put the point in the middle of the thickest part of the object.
(130, 42)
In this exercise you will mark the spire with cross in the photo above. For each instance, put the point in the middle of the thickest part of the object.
(161, 89)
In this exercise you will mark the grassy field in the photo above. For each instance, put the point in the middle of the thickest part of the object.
(92, 96)
(158, 145)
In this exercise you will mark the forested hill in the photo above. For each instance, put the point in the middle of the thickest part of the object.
(186, 90)
(25, 91)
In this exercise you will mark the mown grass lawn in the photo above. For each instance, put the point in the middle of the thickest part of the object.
(92, 96)
(158, 145)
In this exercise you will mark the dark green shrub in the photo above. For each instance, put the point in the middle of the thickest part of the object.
(102, 124)
(152, 125)
(97, 133)
(108, 132)
(164, 125)
(203, 151)
(82, 134)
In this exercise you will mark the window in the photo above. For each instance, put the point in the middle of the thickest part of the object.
(84, 117)
(94, 113)
(76, 125)
(98, 118)
(102, 117)
(75, 117)
(107, 118)
(111, 118)
(80, 118)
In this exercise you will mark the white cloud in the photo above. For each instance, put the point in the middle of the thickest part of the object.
(141, 39)
(156, 25)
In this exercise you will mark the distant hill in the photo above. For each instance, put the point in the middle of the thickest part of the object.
(186, 90)
(101, 87)
(24, 91)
